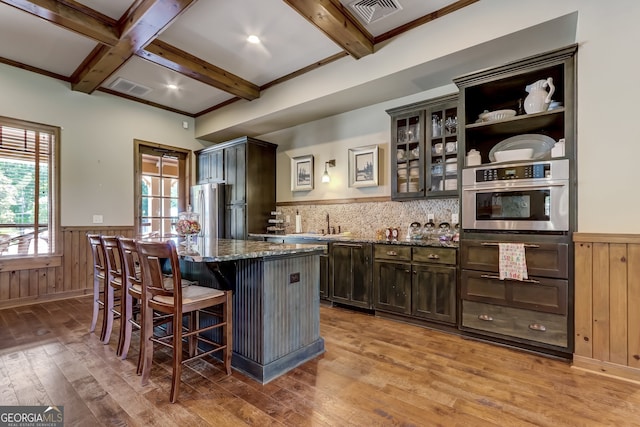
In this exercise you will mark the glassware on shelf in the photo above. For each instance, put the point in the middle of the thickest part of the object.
(451, 125)
(436, 126)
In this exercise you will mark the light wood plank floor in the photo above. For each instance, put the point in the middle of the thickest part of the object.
(375, 372)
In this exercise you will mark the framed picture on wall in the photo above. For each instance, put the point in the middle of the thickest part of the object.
(363, 166)
(302, 173)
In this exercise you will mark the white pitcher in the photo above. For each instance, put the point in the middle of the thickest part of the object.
(538, 99)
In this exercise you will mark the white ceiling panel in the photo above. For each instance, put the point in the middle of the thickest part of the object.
(191, 96)
(216, 31)
(30, 40)
(112, 8)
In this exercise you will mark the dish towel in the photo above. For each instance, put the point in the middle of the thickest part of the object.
(513, 264)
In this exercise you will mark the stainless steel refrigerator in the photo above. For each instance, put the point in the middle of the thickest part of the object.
(208, 201)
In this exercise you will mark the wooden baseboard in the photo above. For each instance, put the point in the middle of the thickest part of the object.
(607, 369)
(19, 302)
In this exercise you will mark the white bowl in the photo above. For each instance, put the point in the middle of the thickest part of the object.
(497, 115)
(514, 155)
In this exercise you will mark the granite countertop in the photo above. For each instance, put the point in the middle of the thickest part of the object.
(325, 238)
(217, 250)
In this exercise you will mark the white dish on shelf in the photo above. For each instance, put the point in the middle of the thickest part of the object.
(541, 145)
(497, 115)
(513, 155)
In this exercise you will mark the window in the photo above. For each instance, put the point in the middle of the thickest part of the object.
(28, 188)
(161, 188)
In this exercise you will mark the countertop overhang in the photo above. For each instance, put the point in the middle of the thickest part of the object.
(326, 238)
(219, 250)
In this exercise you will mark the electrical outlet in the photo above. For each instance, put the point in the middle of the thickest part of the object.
(430, 218)
(287, 219)
(97, 219)
(454, 219)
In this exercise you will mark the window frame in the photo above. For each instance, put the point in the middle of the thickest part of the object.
(184, 176)
(35, 260)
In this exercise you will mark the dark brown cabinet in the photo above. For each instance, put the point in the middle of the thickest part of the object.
(350, 272)
(210, 166)
(424, 154)
(535, 311)
(247, 167)
(416, 281)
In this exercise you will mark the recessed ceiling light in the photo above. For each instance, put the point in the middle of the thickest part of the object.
(174, 87)
(253, 39)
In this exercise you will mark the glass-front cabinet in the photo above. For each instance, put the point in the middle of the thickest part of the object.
(407, 156)
(424, 149)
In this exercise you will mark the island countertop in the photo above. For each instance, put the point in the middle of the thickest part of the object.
(219, 250)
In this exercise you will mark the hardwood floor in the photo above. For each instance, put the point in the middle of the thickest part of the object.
(375, 372)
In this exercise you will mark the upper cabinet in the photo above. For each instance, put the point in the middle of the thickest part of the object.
(499, 103)
(424, 153)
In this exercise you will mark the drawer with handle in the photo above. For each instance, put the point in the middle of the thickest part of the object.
(435, 255)
(543, 259)
(392, 252)
(514, 322)
(534, 293)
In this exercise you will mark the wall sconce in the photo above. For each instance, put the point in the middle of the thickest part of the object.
(325, 176)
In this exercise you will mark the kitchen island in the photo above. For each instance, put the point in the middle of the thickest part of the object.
(276, 303)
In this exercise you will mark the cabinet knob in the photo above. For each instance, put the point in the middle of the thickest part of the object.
(392, 253)
(485, 317)
(434, 256)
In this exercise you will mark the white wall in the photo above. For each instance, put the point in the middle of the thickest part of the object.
(331, 138)
(96, 141)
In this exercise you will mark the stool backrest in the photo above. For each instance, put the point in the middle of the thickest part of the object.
(130, 262)
(97, 252)
(112, 256)
(152, 257)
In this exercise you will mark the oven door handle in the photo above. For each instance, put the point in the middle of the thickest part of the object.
(526, 245)
(501, 187)
(492, 276)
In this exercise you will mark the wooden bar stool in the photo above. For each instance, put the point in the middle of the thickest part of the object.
(170, 297)
(131, 297)
(113, 284)
(99, 268)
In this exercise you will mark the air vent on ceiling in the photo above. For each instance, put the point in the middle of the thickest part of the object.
(128, 87)
(369, 11)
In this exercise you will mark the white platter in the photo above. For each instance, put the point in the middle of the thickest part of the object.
(541, 145)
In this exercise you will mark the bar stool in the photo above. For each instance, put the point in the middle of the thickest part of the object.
(113, 284)
(131, 297)
(98, 281)
(170, 297)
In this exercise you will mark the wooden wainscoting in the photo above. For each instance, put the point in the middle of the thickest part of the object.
(25, 281)
(607, 304)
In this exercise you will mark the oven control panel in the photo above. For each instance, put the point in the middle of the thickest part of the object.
(524, 171)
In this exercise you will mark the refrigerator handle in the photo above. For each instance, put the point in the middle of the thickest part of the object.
(203, 217)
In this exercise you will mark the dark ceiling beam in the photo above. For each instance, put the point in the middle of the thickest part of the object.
(186, 64)
(71, 16)
(139, 27)
(331, 19)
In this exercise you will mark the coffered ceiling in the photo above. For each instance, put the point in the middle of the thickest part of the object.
(137, 48)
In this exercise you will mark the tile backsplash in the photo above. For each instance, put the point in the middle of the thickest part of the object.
(363, 219)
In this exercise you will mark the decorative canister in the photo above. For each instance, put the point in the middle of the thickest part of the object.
(188, 225)
(473, 158)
